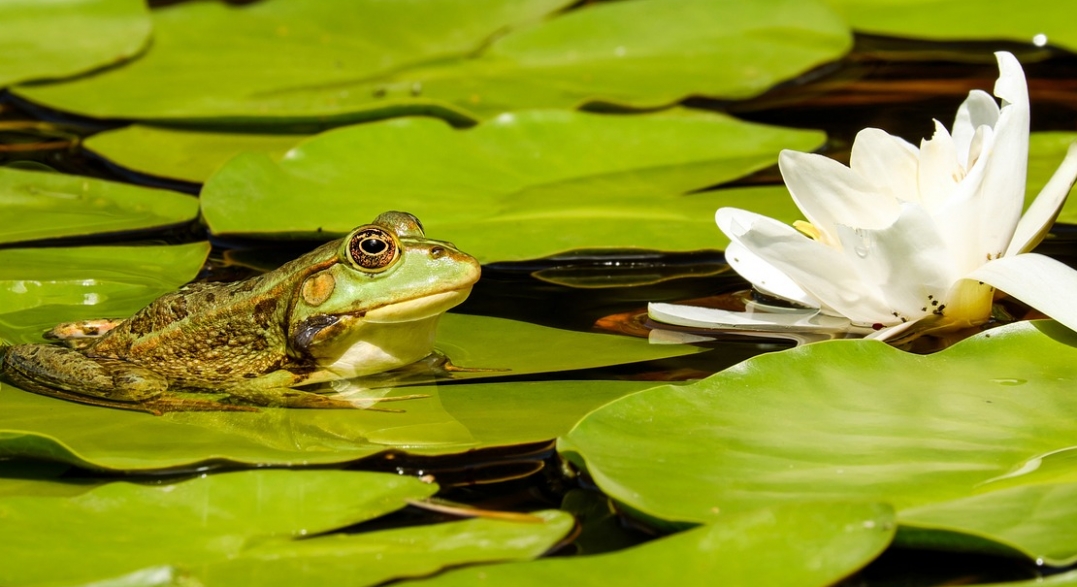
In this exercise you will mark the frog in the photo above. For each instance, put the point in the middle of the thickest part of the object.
(360, 305)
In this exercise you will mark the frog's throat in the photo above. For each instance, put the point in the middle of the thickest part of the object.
(419, 308)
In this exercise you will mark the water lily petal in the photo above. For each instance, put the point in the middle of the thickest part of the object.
(887, 162)
(907, 261)
(697, 317)
(752, 267)
(1036, 280)
(1004, 176)
(979, 109)
(821, 271)
(957, 217)
(1044, 209)
(939, 172)
(829, 193)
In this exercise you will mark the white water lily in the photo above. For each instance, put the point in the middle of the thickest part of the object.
(906, 241)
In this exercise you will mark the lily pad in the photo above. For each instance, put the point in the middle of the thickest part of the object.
(42, 287)
(41, 205)
(186, 155)
(858, 420)
(565, 180)
(44, 40)
(947, 20)
(373, 558)
(121, 527)
(1046, 150)
(360, 61)
(805, 544)
(453, 420)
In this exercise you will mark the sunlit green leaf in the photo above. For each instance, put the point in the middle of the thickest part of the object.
(59, 38)
(963, 19)
(186, 155)
(42, 287)
(521, 186)
(214, 56)
(805, 545)
(372, 558)
(121, 527)
(859, 419)
(47, 205)
(455, 419)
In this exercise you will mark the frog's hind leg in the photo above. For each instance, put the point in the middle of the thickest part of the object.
(64, 373)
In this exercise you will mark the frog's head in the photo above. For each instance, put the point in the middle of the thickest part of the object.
(384, 292)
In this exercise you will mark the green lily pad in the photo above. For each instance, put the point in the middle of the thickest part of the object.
(805, 544)
(42, 287)
(121, 527)
(947, 20)
(48, 205)
(350, 63)
(1045, 152)
(186, 155)
(857, 419)
(45, 40)
(376, 557)
(567, 180)
(214, 56)
(454, 419)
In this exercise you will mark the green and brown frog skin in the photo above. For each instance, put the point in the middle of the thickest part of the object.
(364, 304)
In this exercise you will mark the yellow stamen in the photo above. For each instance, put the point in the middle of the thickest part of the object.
(807, 229)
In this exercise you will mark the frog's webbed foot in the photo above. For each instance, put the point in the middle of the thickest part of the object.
(81, 334)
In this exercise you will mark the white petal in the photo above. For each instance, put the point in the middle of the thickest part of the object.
(1039, 281)
(829, 193)
(764, 276)
(694, 316)
(819, 270)
(888, 163)
(1004, 176)
(939, 171)
(958, 218)
(979, 109)
(908, 262)
(1044, 209)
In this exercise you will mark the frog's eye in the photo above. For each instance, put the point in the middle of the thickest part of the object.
(373, 249)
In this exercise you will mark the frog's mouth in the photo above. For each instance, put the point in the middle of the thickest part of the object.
(419, 308)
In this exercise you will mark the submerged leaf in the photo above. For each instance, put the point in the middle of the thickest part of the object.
(854, 419)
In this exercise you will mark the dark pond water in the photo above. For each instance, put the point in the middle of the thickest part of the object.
(895, 85)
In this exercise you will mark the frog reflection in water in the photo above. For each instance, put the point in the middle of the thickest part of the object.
(364, 304)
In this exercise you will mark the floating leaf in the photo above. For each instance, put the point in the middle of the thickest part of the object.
(455, 419)
(214, 56)
(359, 61)
(857, 419)
(40, 205)
(947, 20)
(42, 287)
(804, 544)
(59, 38)
(373, 558)
(565, 180)
(186, 155)
(121, 527)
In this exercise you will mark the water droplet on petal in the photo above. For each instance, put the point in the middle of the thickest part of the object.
(861, 251)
